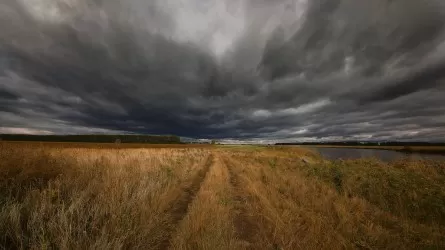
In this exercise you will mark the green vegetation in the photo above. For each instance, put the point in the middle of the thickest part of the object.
(413, 190)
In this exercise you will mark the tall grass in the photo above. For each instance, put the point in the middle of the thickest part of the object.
(337, 205)
(89, 198)
(410, 189)
(208, 223)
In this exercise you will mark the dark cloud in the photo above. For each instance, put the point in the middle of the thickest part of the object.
(247, 70)
(5, 95)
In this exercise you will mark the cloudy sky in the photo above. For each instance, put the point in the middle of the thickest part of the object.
(233, 69)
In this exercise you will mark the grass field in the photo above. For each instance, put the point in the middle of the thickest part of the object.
(106, 196)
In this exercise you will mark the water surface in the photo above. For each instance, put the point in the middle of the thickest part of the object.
(384, 155)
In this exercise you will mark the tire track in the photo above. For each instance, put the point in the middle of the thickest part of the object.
(252, 223)
(245, 227)
(179, 209)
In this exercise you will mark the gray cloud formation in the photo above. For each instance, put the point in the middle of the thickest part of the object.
(243, 69)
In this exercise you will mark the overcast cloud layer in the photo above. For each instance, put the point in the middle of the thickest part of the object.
(239, 69)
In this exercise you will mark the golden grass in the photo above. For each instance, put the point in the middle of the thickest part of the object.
(208, 223)
(95, 196)
(288, 201)
(87, 198)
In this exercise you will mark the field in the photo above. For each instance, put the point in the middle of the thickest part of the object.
(107, 196)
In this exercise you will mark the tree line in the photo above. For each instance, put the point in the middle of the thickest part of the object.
(152, 139)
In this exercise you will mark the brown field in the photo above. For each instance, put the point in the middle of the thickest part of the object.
(96, 196)
(414, 149)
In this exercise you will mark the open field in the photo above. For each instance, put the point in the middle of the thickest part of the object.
(412, 149)
(91, 196)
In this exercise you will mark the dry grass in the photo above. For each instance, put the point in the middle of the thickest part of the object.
(87, 196)
(288, 200)
(208, 223)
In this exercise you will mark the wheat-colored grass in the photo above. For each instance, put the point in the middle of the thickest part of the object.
(208, 223)
(298, 210)
(89, 198)
(105, 196)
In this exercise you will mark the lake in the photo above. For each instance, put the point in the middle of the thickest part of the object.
(384, 155)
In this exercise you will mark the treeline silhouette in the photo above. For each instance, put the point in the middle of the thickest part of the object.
(152, 139)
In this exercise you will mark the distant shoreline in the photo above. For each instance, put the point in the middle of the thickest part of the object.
(403, 149)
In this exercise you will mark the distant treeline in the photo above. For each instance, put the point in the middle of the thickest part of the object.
(373, 143)
(153, 139)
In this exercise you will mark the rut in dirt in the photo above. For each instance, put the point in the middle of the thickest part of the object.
(245, 227)
(179, 208)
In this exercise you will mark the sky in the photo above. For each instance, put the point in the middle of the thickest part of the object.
(256, 70)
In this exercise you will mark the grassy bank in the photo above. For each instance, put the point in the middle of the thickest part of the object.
(89, 196)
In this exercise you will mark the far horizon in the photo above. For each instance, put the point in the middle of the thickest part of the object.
(315, 141)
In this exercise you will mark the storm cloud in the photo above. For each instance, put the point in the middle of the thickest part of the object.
(227, 69)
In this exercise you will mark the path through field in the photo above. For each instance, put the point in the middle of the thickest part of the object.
(246, 201)
(179, 208)
(244, 223)
(215, 198)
